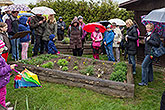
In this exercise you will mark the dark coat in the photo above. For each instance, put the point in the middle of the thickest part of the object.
(12, 23)
(4, 72)
(75, 35)
(162, 103)
(5, 39)
(34, 24)
(153, 41)
(24, 27)
(51, 46)
(132, 40)
(59, 26)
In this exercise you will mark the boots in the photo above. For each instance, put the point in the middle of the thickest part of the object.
(94, 56)
(97, 56)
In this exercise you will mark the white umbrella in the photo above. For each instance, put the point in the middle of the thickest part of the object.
(4, 8)
(43, 10)
(117, 21)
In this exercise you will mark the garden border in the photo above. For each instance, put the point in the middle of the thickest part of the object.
(108, 87)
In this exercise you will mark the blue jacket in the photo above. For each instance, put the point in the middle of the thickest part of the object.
(51, 46)
(108, 37)
(24, 27)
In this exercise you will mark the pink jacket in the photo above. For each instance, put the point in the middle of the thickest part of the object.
(96, 39)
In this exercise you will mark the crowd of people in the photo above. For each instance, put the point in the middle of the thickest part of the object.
(46, 30)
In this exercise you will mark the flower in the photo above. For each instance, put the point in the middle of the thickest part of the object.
(37, 65)
(103, 63)
(87, 74)
(83, 62)
(98, 75)
(114, 63)
(69, 57)
(55, 61)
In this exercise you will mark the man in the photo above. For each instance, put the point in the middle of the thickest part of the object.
(37, 24)
(117, 40)
(6, 16)
(82, 24)
(60, 28)
(12, 23)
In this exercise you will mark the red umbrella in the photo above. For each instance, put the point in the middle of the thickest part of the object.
(90, 27)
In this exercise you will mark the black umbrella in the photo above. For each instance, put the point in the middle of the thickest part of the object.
(104, 23)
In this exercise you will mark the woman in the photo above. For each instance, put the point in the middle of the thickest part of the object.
(131, 39)
(50, 28)
(75, 33)
(152, 40)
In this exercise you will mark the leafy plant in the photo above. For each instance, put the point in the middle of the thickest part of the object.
(65, 68)
(75, 68)
(88, 70)
(66, 40)
(48, 65)
(75, 63)
(62, 62)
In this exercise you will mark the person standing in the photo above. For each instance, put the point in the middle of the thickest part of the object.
(50, 28)
(60, 28)
(6, 16)
(131, 39)
(117, 40)
(82, 24)
(12, 23)
(75, 33)
(108, 43)
(152, 40)
(23, 26)
(96, 37)
(37, 24)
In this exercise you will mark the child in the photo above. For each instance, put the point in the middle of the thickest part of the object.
(5, 39)
(108, 42)
(51, 46)
(96, 37)
(5, 70)
(23, 26)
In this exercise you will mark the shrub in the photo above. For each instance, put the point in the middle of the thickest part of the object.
(88, 70)
(65, 68)
(48, 65)
(75, 68)
(62, 62)
(66, 40)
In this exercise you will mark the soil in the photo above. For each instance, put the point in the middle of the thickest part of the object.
(101, 70)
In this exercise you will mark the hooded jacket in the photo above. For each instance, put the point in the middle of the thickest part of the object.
(59, 26)
(4, 72)
(51, 46)
(24, 27)
(109, 37)
(75, 35)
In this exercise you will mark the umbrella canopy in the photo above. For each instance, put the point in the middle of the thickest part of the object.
(43, 10)
(117, 21)
(5, 2)
(156, 16)
(25, 14)
(90, 27)
(26, 79)
(4, 8)
(104, 23)
(18, 7)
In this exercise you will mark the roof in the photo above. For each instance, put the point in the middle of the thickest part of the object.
(5, 2)
(125, 4)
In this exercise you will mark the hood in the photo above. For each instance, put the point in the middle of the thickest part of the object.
(60, 18)
(75, 20)
(51, 37)
(23, 20)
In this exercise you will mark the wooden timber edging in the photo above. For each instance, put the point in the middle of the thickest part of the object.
(99, 85)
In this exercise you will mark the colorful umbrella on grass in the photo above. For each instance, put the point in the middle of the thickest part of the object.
(26, 79)
(90, 27)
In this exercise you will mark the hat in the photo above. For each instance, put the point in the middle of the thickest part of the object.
(109, 26)
(80, 17)
(2, 44)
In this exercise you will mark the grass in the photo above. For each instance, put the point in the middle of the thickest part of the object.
(60, 97)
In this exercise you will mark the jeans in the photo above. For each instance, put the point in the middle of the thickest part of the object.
(109, 50)
(38, 43)
(14, 48)
(131, 59)
(117, 51)
(147, 70)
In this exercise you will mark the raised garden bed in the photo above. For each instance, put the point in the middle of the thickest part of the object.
(87, 73)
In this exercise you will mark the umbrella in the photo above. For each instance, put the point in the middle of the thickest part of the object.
(26, 79)
(4, 8)
(104, 23)
(25, 14)
(117, 21)
(43, 10)
(18, 7)
(90, 27)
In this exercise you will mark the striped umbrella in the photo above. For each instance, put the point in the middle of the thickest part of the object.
(18, 7)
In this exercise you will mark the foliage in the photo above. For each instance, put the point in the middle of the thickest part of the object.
(90, 10)
(119, 73)
(75, 68)
(66, 40)
(48, 65)
(75, 63)
(62, 62)
(65, 68)
(88, 70)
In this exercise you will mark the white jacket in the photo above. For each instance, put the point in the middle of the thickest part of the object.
(118, 37)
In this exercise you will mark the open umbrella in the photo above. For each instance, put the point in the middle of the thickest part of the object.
(90, 27)
(26, 79)
(104, 23)
(25, 14)
(43, 10)
(117, 21)
(18, 7)
(4, 8)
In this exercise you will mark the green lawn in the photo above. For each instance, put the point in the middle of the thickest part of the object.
(60, 97)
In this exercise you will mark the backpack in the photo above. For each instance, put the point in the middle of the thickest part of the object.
(157, 52)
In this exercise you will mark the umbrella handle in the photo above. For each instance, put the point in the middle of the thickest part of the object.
(17, 72)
